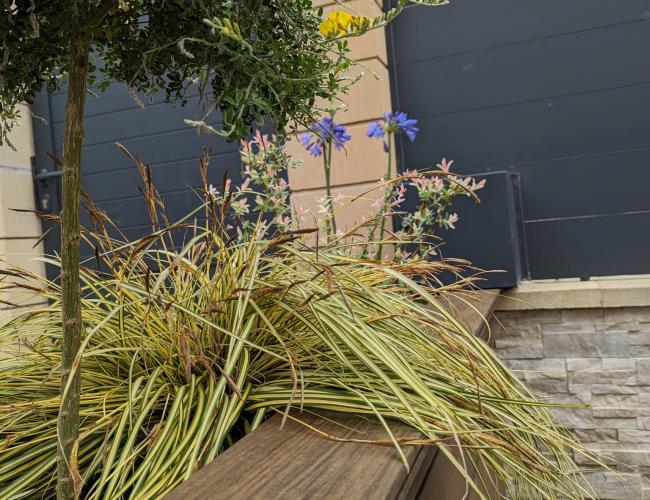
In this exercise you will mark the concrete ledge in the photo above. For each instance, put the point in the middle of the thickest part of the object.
(596, 293)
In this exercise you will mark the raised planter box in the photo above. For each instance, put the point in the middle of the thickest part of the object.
(333, 462)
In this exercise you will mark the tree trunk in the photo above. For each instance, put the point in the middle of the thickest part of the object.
(68, 480)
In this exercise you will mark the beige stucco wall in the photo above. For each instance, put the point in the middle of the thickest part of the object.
(18, 231)
(363, 162)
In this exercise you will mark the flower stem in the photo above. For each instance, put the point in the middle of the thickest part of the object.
(385, 205)
(329, 201)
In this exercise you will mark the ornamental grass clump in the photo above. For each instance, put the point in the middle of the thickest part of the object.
(256, 62)
(193, 335)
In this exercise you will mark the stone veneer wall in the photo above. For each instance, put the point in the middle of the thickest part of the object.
(596, 356)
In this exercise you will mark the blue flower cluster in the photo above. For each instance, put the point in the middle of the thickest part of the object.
(327, 131)
(397, 122)
(324, 132)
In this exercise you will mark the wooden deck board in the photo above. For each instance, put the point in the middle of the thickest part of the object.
(298, 463)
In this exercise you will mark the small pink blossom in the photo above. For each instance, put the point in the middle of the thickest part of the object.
(445, 165)
(400, 196)
(241, 204)
(322, 205)
(478, 185)
(259, 139)
(283, 220)
(420, 182)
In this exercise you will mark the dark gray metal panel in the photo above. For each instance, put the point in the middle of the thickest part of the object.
(43, 138)
(122, 124)
(48, 190)
(603, 245)
(489, 234)
(115, 98)
(545, 68)
(611, 183)
(167, 176)
(598, 184)
(557, 92)
(474, 25)
(157, 134)
(177, 145)
(599, 122)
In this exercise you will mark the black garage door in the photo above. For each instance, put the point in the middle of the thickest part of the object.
(157, 134)
(555, 92)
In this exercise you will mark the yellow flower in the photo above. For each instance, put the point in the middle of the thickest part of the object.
(328, 28)
(342, 20)
(360, 23)
(339, 23)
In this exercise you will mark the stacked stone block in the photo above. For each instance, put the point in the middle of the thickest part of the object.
(598, 357)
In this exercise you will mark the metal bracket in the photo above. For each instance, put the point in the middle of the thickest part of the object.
(45, 175)
(42, 186)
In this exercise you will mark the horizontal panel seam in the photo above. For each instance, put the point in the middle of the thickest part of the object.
(186, 188)
(122, 110)
(90, 258)
(510, 165)
(142, 136)
(535, 100)
(489, 48)
(155, 165)
(590, 216)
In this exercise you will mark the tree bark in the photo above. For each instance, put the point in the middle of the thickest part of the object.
(68, 480)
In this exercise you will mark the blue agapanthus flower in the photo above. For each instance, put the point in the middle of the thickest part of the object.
(406, 125)
(376, 130)
(325, 131)
(397, 122)
(314, 147)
